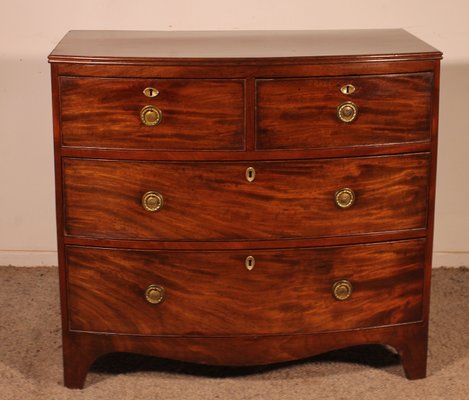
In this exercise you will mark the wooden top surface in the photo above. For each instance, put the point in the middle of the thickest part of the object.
(119, 46)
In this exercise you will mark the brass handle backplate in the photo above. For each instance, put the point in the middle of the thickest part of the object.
(342, 289)
(151, 115)
(155, 294)
(152, 201)
(344, 198)
(347, 112)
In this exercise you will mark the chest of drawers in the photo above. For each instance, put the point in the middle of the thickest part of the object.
(240, 198)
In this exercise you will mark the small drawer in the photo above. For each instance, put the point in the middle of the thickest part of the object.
(259, 200)
(158, 114)
(214, 293)
(343, 111)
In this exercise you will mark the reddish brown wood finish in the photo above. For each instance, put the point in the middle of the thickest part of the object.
(248, 155)
(246, 245)
(240, 47)
(410, 340)
(401, 267)
(212, 293)
(214, 201)
(260, 69)
(302, 113)
(197, 114)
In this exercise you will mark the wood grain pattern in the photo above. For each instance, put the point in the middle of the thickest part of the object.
(432, 192)
(81, 348)
(247, 245)
(288, 68)
(248, 155)
(302, 113)
(105, 159)
(214, 201)
(212, 293)
(197, 114)
(239, 47)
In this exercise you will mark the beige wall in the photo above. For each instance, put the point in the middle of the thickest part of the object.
(30, 29)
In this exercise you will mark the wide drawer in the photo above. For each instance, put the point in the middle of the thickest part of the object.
(213, 293)
(303, 113)
(196, 114)
(214, 201)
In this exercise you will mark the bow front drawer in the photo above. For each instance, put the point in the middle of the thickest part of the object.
(197, 201)
(213, 293)
(343, 111)
(159, 114)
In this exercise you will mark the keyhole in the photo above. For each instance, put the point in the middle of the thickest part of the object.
(250, 174)
(150, 92)
(347, 89)
(250, 262)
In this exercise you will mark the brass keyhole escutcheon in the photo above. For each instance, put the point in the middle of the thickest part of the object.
(155, 294)
(151, 115)
(347, 112)
(344, 198)
(151, 92)
(152, 201)
(250, 262)
(348, 89)
(250, 174)
(342, 289)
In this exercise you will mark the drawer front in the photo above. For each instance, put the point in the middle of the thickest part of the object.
(196, 114)
(214, 201)
(213, 293)
(302, 113)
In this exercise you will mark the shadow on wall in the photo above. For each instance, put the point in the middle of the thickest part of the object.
(452, 213)
(27, 214)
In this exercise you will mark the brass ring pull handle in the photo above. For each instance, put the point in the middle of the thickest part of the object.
(155, 294)
(151, 115)
(344, 198)
(347, 112)
(342, 289)
(152, 201)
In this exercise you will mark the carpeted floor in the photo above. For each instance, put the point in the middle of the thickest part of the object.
(30, 357)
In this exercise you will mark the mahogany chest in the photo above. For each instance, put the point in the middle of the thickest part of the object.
(239, 198)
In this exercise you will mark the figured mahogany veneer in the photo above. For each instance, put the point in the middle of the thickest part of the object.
(301, 113)
(214, 201)
(249, 269)
(198, 114)
(212, 293)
